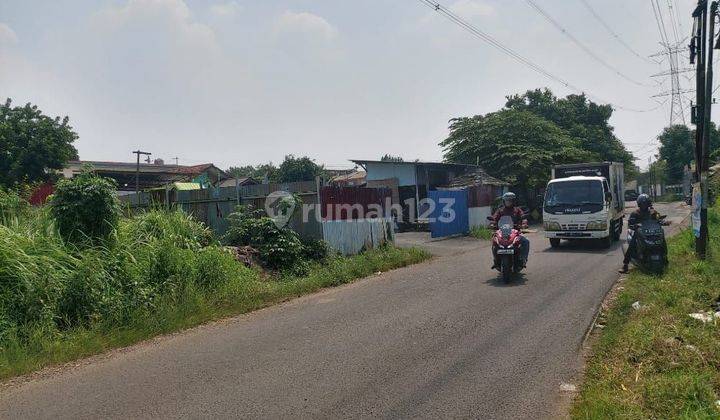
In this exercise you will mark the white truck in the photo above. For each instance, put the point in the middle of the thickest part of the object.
(585, 201)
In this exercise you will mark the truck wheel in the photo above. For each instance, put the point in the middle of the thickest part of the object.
(554, 242)
(607, 241)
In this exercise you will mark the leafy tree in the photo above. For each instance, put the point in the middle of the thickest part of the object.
(32, 144)
(677, 149)
(390, 158)
(259, 172)
(581, 119)
(298, 169)
(241, 171)
(512, 144)
(85, 207)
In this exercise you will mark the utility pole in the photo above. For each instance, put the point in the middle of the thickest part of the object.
(137, 173)
(701, 49)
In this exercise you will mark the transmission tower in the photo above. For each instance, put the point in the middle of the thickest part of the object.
(677, 110)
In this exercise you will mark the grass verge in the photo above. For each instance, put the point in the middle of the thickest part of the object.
(655, 361)
(247, 291)
(481, 232)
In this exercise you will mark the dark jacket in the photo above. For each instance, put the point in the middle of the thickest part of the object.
(638, 216)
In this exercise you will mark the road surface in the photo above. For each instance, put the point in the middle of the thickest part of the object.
(444, 338)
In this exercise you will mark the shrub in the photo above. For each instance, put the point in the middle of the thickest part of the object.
(315, 249)
(278, 247)
(85, 208)
(176, 226)
(216, 267)
(12, 207)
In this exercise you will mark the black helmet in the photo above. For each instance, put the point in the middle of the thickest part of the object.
(644, 201)
(508, 197)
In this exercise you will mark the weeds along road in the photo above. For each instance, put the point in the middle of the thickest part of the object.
(440, 339)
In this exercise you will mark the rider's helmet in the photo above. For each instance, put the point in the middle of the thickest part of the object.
(644, 202)
(508, 199)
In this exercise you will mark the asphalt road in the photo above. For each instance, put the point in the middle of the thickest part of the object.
(444, 338)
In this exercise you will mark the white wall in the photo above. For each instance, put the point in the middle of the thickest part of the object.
(477, 216)
(405, 173)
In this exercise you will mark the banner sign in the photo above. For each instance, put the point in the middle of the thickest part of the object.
(697, 206)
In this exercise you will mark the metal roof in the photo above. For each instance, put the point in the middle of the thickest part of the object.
(150, 175)
(477, 177)
(360, 162)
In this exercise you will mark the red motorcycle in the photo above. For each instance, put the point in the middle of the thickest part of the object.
(506, 247)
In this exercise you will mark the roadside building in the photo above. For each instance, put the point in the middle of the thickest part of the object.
(351, 179)
(410, 182)
(240, 182)
(151, 175)
(482, 192)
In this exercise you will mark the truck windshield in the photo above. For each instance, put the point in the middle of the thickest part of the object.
(573, 193)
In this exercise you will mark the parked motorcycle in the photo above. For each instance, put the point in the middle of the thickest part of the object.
(507, 255)
(651, 252)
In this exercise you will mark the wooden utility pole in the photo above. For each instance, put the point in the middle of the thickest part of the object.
(137, 173)
(699, 56)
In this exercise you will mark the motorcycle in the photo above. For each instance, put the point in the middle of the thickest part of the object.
(506, 248)
(651, 247)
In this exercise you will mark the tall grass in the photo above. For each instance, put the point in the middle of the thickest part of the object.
(158, 272)
(656, 361)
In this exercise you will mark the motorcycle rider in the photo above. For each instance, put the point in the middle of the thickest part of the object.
(510, 209)
(645, 211)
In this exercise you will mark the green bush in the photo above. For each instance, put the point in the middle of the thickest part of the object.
(85, 208)
(48, 285)
(279, 248)
(176, 226)
(12, 206)
(315, 249)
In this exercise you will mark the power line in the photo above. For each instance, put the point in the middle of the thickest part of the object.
(614, 34)
(582, 46)
(526, 61)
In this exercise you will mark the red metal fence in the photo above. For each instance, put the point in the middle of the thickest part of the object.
(343, 203)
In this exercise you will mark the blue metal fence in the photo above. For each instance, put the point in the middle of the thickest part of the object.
(449, 215)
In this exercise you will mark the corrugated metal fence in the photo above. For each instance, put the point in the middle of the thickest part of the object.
(346, 231)
(212, 206)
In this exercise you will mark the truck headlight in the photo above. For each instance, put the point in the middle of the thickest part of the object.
(551, 226)
(599, 225)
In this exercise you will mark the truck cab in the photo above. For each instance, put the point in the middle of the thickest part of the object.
(584, 206)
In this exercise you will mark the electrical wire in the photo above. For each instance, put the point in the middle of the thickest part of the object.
(523, 60)
(582, 46)
(614, 34)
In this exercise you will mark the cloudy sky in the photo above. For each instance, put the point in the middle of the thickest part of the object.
(249, 81)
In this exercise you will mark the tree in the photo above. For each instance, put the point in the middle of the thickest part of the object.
(241, 171)
(677, 149)
(259, 172)
(85, 207)
(32, 145)
(390, 158)
(298, 169)
(581, 119)
(516, 145)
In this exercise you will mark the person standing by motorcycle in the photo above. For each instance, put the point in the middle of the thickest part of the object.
(510, 209)
(645, 211)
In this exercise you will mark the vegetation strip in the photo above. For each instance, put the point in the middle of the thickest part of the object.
(77, 279)
(652, 359)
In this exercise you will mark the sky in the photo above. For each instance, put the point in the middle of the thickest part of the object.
(239, 82)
